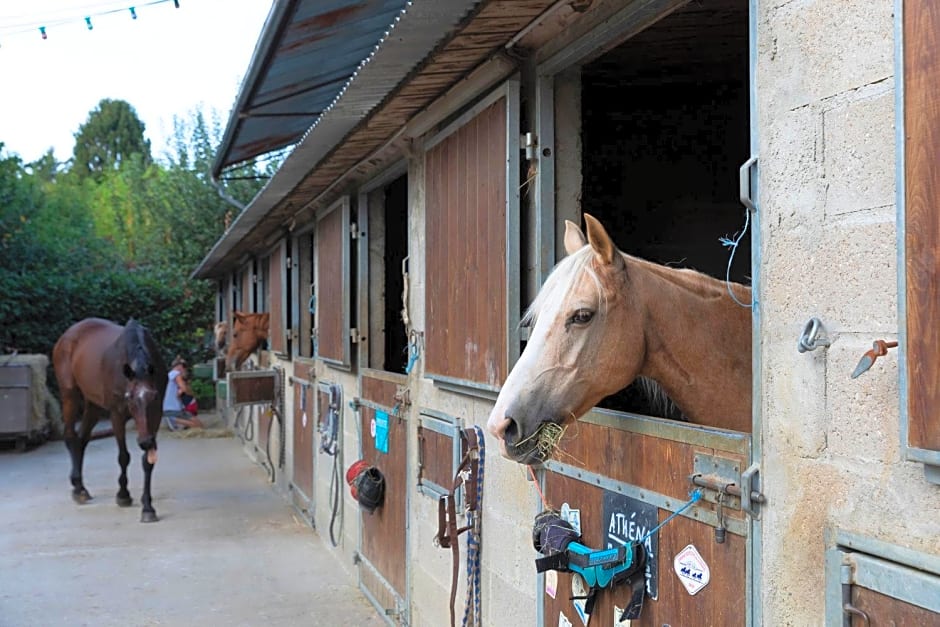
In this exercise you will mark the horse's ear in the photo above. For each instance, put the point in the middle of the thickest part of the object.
(574, 238)
(237, 315)
(599, 239)
(128, 371)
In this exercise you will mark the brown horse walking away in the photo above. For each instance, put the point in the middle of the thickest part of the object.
(106, 369)
(249, 332)
(604, 318)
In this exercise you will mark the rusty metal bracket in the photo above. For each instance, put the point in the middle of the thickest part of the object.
(879, 348)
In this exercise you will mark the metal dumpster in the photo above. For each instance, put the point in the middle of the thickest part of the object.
(16, 406)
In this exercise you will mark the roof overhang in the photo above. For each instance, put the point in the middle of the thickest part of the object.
(434, 47)
(304, 57)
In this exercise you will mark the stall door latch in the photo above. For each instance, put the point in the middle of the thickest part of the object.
(732, 488)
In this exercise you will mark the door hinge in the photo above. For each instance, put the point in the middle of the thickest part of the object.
(354, 336)
(354, 230)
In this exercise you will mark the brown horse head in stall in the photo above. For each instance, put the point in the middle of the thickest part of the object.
(604, 318)
(249, 332)
(105, 369)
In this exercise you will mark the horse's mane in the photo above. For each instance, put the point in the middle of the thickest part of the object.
(562, 278)
(699, 282)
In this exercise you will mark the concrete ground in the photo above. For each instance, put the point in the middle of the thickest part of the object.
(227, 549)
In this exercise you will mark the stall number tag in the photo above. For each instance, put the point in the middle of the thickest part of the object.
(692, 570)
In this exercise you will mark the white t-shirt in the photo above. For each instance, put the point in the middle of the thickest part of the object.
(171, 400)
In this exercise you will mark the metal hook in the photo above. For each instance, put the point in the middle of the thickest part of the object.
(810, 339)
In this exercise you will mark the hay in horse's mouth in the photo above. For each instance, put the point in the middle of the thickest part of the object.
(545, 439)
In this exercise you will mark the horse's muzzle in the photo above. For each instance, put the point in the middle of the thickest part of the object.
(528, 456)
(523, 450)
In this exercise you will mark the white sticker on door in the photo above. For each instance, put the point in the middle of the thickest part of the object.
(691, 568)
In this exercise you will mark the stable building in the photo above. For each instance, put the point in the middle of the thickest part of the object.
(435, 149)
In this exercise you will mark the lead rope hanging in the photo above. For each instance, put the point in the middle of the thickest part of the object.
(474, 541)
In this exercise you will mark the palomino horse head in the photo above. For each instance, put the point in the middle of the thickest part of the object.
(220, 333)
(604, 318)
(586, 342)
(249, 332)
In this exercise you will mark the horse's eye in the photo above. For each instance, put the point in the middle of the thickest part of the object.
(581, 316)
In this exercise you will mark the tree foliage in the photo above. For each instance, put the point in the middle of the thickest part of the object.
(114, 234)
(112, 135)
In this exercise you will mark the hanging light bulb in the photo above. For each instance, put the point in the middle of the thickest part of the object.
(42, 31)
(88, 23)
(133, 13)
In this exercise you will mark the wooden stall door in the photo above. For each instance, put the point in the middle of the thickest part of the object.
(874, 608)
(920, 234)
(333, 282)
(623, 476)
(384, 445)
(277, 340)
(872, 590)
(302, 442)
(472, 246)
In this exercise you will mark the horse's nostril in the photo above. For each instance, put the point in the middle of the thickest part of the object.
(511, 433)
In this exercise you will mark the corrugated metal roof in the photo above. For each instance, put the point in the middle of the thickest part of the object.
(424, 25)
(307, 52)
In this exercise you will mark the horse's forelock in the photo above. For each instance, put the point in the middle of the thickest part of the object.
(560, 283)
(138, 350)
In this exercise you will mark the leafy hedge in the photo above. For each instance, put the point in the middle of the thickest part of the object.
(38, 308)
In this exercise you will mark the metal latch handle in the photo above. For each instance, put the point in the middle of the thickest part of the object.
(751, 498)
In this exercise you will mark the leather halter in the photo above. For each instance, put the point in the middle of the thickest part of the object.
(447, 530)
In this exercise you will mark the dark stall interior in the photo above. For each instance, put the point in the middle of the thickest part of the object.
(396, 250)
(665, 131)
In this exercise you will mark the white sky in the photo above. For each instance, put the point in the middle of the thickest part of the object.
(166, 62)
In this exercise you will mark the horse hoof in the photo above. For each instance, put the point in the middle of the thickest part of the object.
(148, 517)
(81, 497)
(124, 501)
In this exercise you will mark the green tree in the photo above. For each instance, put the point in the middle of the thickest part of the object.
(111, 135)
(116, 243)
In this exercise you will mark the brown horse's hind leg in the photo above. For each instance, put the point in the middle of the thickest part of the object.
(76, 443)
(123, 497)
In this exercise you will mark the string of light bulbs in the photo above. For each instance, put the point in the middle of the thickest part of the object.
(45, 27)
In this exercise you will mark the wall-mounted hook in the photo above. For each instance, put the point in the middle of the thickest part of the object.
(813, 336)
(879, 348)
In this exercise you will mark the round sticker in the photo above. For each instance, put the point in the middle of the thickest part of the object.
(303, 420)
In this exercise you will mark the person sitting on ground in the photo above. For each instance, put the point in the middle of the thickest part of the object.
(175, 401)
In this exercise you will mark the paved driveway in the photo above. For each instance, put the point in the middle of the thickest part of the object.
(227, 549)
